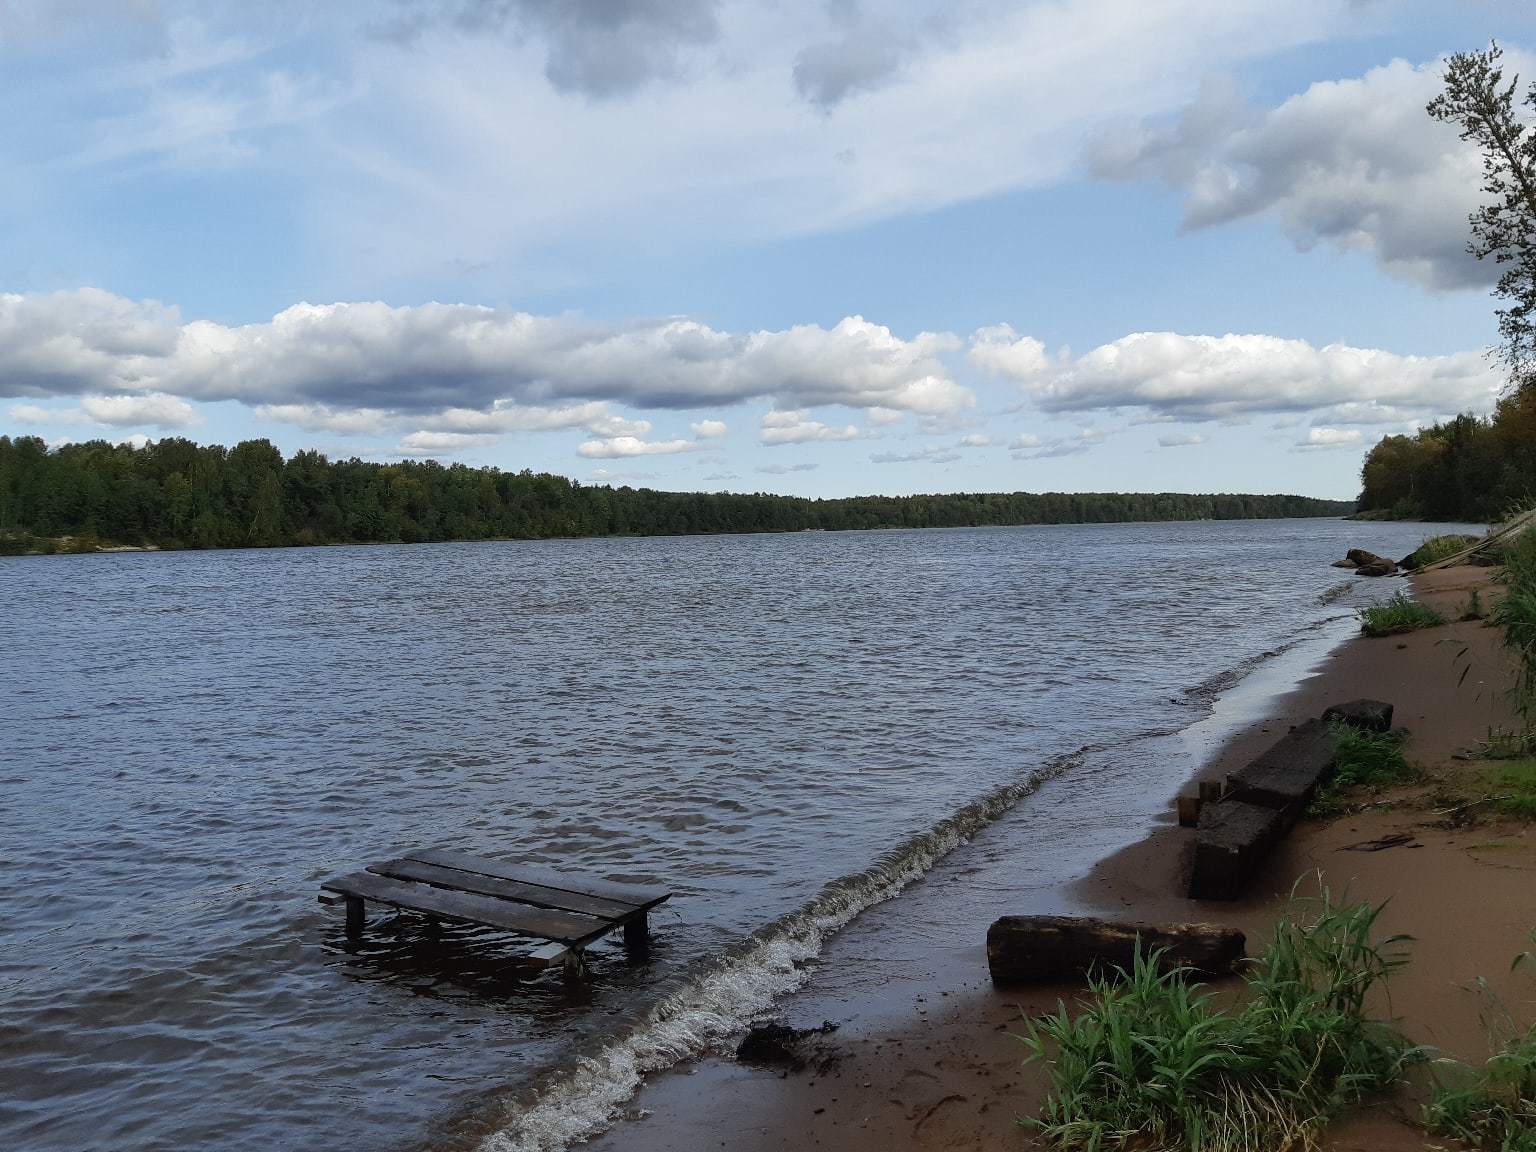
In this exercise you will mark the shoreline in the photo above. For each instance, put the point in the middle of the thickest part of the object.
(924, 1057)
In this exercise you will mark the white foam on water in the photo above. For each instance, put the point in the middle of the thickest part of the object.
(721, 1001)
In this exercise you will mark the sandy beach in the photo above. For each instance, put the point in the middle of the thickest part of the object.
(925, 1057)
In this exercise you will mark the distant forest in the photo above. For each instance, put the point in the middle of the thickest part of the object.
(1471, 468)
(177, 494)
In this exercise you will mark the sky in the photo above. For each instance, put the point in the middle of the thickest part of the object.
(822, 248)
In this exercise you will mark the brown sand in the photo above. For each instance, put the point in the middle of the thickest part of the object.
(928, 1062)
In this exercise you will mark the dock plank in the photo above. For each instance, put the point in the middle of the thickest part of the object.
(484, 884)
(566, 927)
(622, 893)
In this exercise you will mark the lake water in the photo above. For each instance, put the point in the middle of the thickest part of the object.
(781, 729)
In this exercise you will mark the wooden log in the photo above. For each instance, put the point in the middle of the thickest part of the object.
(637, 934)
(1210, 791)
(1189, 811)
(355, 917)
(1032, 949)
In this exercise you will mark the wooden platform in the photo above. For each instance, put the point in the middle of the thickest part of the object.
(569, 911)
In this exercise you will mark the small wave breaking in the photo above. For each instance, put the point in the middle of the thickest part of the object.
(727, 994)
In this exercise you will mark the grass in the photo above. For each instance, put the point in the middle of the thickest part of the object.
(1365, 760)
(1150, 1061)
(1397, 614)
(1437, 548)
(1516, 614)
(1492, 1106)
(1512, 786)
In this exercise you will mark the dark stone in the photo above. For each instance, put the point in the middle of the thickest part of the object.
(1032, 949)
(1345, 564)
(1370, 715)
(1285, 776)
(1385, 568)
(778, 1045)
(1233, 837)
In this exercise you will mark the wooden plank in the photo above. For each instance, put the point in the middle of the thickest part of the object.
(1036, 949)
(548, 923)
(622, 893)
(546, 957)
(484, 885)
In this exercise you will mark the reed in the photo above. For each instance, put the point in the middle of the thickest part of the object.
(1150, 1061)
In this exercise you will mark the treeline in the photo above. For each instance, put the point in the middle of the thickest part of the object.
(177, 494)
(1470, 468)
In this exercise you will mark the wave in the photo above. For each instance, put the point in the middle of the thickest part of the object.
(725, 996)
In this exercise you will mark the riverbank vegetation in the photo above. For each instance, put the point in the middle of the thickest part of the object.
(1151, 1060)
(1396, 614)
(177, 494)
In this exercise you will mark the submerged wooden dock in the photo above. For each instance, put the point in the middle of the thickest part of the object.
(569, 911)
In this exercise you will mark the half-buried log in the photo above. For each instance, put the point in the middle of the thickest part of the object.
(1035, 949)
(1368, 715)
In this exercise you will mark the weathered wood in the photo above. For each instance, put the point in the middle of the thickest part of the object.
(604, 889)
(1286, 775)
(1368, 715)
(637, 934)
(1210, 791)
(1189, 811)
(487, 885)
(355, 917)
(1233, 837)
(468, 907)
(1033, 949)
(546, 957)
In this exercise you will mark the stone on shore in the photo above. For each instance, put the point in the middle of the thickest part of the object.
(1367, 715)
(1036, 949)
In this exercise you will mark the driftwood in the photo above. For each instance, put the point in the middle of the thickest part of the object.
(1034, 949)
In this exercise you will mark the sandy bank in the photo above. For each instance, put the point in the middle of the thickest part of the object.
(924, 1057)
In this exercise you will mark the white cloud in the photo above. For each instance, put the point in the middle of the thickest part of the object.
(931, 455)
(618, 447)
(786, 469)
(1000, 351)
(31, 414)
(1028, 446)
(1219, 377)
(708, 429)
(446, 443)
(1355, 163)
(1326, 439)
(1180, 440)
(977, 440)
(883, 416)
(797, 428)
(155, 408)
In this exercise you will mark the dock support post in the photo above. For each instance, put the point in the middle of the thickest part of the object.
(637, 934)
(571, 966)
(354, 916)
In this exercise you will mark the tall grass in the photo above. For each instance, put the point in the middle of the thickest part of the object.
(1516, 614)
(1437, 548)
(1397, 614)
(1151, 1062)
(1492, 1106)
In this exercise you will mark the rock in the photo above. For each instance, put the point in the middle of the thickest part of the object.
(1385, 568)
(1032, 949)
(1364, 559)
(1286, 775)
(1345, 564)
(1369, 715)
(1231, 841)
(779, 1045)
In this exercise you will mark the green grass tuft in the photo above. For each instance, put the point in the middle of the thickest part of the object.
(1150, 1061)
(1398, 614)
(1365, 760)
(1437, 548)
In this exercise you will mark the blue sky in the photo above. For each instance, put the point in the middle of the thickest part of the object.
(820, 248)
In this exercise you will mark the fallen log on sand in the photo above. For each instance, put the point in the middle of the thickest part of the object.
(1035, 949)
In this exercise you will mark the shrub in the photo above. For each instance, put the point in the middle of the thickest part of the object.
(1397, 614)
(1151, 1062)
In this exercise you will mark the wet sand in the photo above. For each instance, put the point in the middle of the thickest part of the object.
(925, 1057)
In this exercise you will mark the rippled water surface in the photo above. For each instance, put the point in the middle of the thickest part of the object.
(190, 742)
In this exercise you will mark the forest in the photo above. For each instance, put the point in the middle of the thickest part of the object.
(174, 493)
(1471, 468)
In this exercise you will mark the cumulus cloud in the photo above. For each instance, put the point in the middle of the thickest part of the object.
(977, 440)
(619, 447)
(1224, 377)
(154, 409)
(1028, 446)
(786, 469)
(1353, 163)
(1180, 440)
(447, 443)
(449, 357)
(1326, 439)
(708, 429)
(797, 428)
